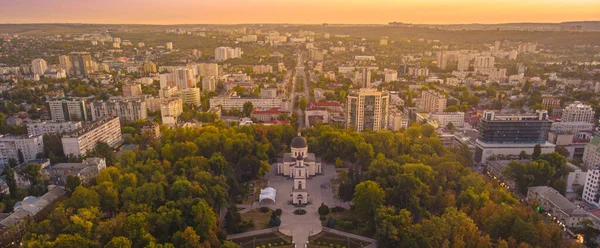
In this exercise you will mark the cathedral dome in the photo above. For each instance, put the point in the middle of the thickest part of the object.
(299, 142)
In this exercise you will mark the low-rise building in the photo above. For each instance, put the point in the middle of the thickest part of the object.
(444, 118)
(229, 103)
(86, 171)
(151, 129)
(548, 199)
(85, 139)
(267, 115)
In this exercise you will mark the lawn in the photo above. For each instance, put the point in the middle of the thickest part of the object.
(260, 219)
(274, 239)
(327, 239)
(347, 221)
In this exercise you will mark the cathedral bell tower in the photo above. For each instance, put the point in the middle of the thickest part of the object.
(299, 192)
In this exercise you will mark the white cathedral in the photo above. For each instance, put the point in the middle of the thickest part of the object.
(299, 165)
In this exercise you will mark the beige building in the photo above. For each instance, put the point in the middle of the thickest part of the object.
(132, 89)
(127, 109)
(84, 140)
(433, 101)
(151, 129)
(550, 102)
(170, 109)
(209, 83)
(367, 109)
(39, 66)
(149, 67)
(189, 96)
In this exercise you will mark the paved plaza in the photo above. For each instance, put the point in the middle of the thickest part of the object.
(319, 190)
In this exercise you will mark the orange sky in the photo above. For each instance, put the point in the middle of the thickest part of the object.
(297, 11)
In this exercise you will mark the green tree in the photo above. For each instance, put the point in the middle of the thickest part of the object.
(72, 183)
(537, 151)
(11, 182)
(20, 156)
(368, 196)
(83, 197)
(589, 232)
(247, 109)
(323, 209)
(302, 103)
(205, 219)
(119, 242)
(394, 228)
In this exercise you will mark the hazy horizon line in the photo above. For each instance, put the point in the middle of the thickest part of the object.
(284, 23)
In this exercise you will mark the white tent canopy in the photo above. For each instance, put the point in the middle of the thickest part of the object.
(267, 193)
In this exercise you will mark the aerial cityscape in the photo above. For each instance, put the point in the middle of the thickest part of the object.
(279, 128)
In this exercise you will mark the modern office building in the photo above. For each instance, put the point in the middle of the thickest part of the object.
(68, 109)
(127, 109)
(578, 111)
(367, 109)
(39, 66)
(433, 101)
(83, 140)
(29, 146)
(509, 135)
(41, 128)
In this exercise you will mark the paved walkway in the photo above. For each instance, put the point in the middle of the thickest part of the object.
(251, 233)
(246, 208)
(319, 191)
(352, 236)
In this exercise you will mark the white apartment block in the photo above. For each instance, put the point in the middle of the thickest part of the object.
(170, 109)
(572, 127)
(229, 103)
(456, 118)
(433, 101)
(39, 66)
(225, 53)
(260, 69)
(181, 77)
(30, 147)
(84, 140)
(126, 109)
(418, 72)
(484, 62)
(189, 96)
(390, 75)
(591, 154)
(67, 109)
(578, 111)
(41, 128)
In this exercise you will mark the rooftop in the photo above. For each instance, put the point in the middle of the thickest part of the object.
(557, 199)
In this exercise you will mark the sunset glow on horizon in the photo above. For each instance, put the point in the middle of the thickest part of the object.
(297, 11)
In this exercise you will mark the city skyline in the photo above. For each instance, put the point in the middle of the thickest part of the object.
(295, 11)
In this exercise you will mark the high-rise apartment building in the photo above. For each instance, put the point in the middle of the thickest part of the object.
(209, 84)
(68, 109)
(29, 146)
(367, 109)
(433, 101)
(189, 96)
(591, 158)
(77, 64)
(39, 66)
(225, 53)
(578, 111)
(169, 45)
(464, 62)
(65, 63)
(150, 67)
(509, 135)
(81, 141)
(363, 77)
(127, 109)
(132, 89)
(482, 62)
(184, 78)
(170, 109)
